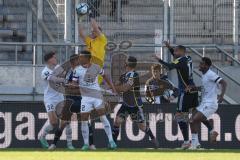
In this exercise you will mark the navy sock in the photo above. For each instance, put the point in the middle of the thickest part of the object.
(58, 134)
(115, 133)
(90, 134)
(184, 128)
(149, 133)
(208, 125)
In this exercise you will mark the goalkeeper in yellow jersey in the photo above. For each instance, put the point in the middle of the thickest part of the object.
(95, 41)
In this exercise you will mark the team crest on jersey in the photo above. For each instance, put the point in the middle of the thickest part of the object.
(46, 73)
(175, 61)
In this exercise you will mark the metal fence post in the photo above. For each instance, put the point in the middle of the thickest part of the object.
(68, 24)
(171, 19)
(16, 54)
(34, 72)
(235, 28)
(29, 25)
(39, 31)
(119, 11)
(76, 28)
(60, 54)
(166, 27)
(68, 21)
(66, 53)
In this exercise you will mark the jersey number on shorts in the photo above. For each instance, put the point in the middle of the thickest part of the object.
(50, 107)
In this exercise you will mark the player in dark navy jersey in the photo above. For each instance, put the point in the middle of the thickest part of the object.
(131, 78)
(129, 86)
(184, 67)
(187, 99)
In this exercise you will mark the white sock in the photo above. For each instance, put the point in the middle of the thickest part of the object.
(85, 132)
(47, 130)
(69, 134)
(107, 127)
(195, 139)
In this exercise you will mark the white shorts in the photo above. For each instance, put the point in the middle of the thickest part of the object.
(89, 103)
(207, 109)
(51, 105)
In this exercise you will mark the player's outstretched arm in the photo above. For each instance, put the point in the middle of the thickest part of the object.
(109, 83)
(223, 90)
(56, 76)
(56, 79)
(95, 26)
(170, 48)
(123, 87)
(170, 66)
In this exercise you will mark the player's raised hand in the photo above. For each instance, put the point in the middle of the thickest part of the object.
(167, 44)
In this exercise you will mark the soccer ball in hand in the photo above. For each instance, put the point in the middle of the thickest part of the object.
(82, 9)
(168, 94)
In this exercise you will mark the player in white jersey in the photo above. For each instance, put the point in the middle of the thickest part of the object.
(211, 84)
(52, 99)
(86, 76)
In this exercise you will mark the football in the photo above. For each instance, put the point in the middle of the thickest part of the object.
(82, 9)
(167, 94)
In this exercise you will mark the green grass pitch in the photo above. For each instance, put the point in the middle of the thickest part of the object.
(119, 154)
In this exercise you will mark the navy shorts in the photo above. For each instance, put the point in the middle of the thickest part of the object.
(76, 106)
(187, 101)
(136, 113)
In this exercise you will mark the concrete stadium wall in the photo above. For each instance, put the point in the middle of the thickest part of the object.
(16, 82)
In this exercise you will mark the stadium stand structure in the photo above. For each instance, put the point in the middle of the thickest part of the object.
(11, 30)
(193, 22)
